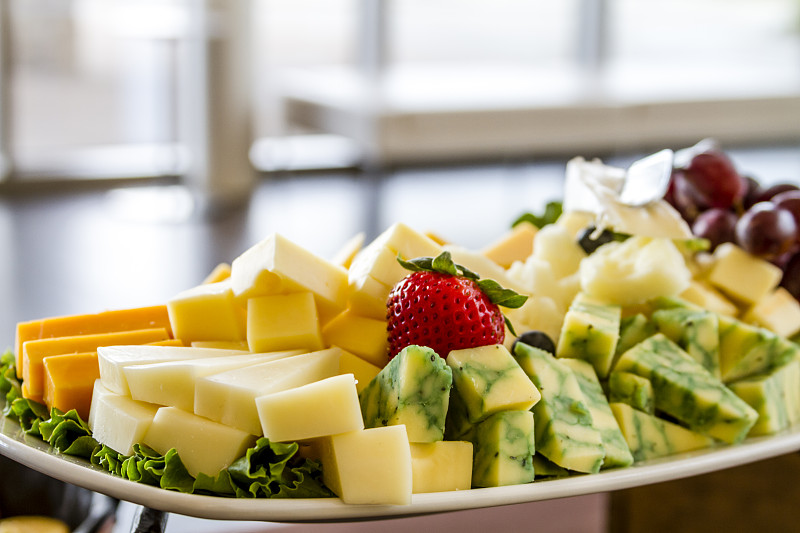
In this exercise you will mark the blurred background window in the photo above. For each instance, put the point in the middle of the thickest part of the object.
(92, 88)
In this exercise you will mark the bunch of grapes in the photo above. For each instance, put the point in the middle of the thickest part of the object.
(723, 205)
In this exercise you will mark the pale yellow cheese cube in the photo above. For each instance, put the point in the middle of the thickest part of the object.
(173, 383)
(207, 312)
(276, 265)
(362, 336)
(778, 311)
(484, 267)
(576, 221)
(203, 446)
(516, 245)
(112, 360)
(345, 255)
(223, 345)
(742, 276)
(363, 371)
(283, 322)
(325, 407)
(441, 466)
(221, 272)
(229, 397)
(371, 466)
(368, 297)
(118, 421)
(707, 297)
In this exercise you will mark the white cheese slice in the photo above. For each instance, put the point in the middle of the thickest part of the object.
(118, 421)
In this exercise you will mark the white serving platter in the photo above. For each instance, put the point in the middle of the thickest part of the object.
(38, 455)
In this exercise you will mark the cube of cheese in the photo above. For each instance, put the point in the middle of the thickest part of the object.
(504, 448)
(322, 408)
(590, 333)
(229, 397)
(203, 446)
(707, 297)
(363, 371)
(283, 322)
(276, 265)
(742, 276)
(222, 345)
(112, 360)
(778, 311)
(488, 380)
(441, 466)
(221, 272)
(172, 383)
(34, 352)
(516, 245)
(368, 297)
(344, 256)
(207, 312)
(353, 459)
(484, 267)
(69, 380)
(105, 322)
(118, 421)
(362, 336)
(775, 396)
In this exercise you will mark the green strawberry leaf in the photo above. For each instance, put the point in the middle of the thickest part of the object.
(500, 296)
(442, 263)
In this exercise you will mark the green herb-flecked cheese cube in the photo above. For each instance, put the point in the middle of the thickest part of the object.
(633, 330)
(649, 437)
(685, 390)
(775, 396)
(746, 350)
(590, 332)
(616, 449)
(413, 389)
(457, 425)
(504, 447)
(636, 391)
(697, 332)
(565, 431)
(489, 380)
(545, 468)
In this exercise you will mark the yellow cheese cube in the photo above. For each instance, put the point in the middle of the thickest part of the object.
(69, 380)
(105, 322)
(372, 466)
(118, 421)
(229, 397)
(283, 322)
(221, 272)
(207, 313)
(34, 352)
(361, 369)
(779, 312)
(278, 266)
(223, 345)
(172, 383)
(368, 297)
(318, 409)
(344, 257)
(707, 297)
(516, 245)
(112, 360)
(742, 276)
(203, 446)
(441, 466)
(364, 337)
(484, 267)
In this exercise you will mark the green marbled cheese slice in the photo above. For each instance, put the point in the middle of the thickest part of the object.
(565, 431)
(633, 330)
(457, 425)
(649, 437)
(697, 332)
(685, 390)
(616, 449)
(413, 389)
(545, 468)
(489, 380)
(636, 391)
(776, 398)
(590, 332)
(746, 350)
(504, 447)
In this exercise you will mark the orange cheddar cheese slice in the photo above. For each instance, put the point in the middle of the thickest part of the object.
(106, 322)
(69, 381)
(34, 352)
(168, 342)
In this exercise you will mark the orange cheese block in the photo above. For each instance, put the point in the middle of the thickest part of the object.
(106, 322)
(34, 352)
(69, 381)
(168, 342)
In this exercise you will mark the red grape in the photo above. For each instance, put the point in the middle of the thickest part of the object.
(754, 191)
(790, 201)
(714, 181)
(680, 196)
(716, 225)
(766, 231)
(770, 192)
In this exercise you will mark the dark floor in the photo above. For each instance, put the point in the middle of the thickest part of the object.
(79, 250)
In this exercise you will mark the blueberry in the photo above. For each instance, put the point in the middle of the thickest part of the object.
(537, 339)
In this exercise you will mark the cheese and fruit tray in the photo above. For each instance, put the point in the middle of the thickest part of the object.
(598, 346)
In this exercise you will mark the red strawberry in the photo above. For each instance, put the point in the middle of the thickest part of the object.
(446, 307)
